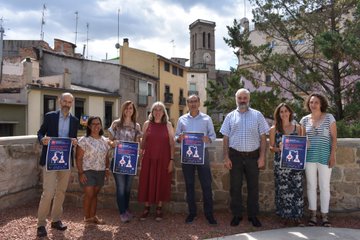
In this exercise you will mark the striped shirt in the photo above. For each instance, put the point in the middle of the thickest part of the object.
(244, 129)
(319, 138)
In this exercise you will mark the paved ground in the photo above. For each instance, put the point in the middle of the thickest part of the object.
(20, 223)
(308, 233)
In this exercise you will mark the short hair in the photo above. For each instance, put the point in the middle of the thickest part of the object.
(323, 102)
(165, 117)
(191, 96)
(66, 94)
(278, 123)
(88, 123)
(242, 90)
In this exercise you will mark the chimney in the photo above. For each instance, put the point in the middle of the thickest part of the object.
(126, 42)
(67, 79)
(27, 70)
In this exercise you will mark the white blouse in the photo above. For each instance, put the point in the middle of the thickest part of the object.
(95, 151)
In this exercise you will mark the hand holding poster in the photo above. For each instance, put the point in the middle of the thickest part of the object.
(58, 154)
(293, 154)
(192, 148)
(126, 158)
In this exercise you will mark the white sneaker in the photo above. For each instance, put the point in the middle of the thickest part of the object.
(124, 218)
(129, 214)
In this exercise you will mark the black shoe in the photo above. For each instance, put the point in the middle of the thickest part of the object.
(255, 221)
(58, 225)
(41, 231)
(235, 221)
(190, 218)
(211, 220)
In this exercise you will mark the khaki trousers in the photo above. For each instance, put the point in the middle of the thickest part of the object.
(55, 184)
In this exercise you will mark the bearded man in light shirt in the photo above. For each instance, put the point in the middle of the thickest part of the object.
(244, 146)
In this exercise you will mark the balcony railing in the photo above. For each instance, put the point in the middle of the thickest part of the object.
(142, 100)
(168, 98)
(193, 93)
(182, 101)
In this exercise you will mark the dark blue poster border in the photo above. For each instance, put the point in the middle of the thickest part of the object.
(293, 155)
(126, 158)
(193, 148)
(58, 154)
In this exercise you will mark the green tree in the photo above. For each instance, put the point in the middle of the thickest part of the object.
(309, 45)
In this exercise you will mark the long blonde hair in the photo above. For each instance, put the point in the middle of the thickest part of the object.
(165, 117)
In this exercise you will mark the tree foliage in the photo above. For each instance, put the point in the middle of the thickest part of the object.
(307, 45)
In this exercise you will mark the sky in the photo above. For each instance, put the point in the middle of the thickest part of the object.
(159, 26)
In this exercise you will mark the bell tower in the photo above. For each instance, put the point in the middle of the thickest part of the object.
(202, 46)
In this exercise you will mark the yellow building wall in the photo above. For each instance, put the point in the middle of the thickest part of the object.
(139, 60)
(176, 83)
(34, 112)
(95, 106)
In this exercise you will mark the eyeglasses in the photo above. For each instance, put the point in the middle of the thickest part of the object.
(192, 101)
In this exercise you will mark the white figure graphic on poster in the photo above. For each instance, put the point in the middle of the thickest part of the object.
(290, 157)
(192, 153)
(128, 165)
(124, 159)
(55, 158)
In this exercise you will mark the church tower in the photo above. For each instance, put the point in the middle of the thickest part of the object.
(202, 46)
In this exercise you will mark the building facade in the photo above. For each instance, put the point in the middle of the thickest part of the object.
(172, 86)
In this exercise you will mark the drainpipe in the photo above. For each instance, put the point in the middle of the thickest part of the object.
(1, 51)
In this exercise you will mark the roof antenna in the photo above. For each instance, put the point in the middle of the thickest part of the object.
(76, 25)
(42, 22)
(117, 45)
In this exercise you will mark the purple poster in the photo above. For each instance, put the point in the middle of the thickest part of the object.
(126, 158)
(58, 154)
(293, 155)
(193, 148)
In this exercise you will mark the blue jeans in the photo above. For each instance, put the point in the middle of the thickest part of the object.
(123, 188)
(205, 178)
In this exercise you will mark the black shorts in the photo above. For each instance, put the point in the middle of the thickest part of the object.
(94, 178)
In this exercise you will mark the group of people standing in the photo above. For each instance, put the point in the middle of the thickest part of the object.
(244, 147)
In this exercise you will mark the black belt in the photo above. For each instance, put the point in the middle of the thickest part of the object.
(252, 154)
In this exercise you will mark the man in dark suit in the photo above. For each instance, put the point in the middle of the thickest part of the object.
(63, 124)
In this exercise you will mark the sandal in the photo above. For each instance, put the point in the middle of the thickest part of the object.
(98, 221)
(89, 220)
(159, 214)
(312, 223)
(325, 220)
(145, 213)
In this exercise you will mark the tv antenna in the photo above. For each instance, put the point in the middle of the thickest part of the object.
(76, 25)
(42, 22)
(87, 40)
(117, 45)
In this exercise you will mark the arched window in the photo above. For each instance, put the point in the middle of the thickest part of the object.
(204, 40)
(209, 40)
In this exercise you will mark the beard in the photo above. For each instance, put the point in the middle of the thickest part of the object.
(242, 106)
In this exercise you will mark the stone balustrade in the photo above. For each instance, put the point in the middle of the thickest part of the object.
(20, 178)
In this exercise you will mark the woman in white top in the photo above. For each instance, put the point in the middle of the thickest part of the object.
(93, 166)
(320, 158)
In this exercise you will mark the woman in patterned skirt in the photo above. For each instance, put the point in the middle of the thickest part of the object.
(289, 199)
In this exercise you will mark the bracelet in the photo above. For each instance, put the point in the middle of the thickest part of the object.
(107, 169)
(172, 159)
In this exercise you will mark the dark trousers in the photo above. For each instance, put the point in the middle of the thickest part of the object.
(241, 165)
(205, 181)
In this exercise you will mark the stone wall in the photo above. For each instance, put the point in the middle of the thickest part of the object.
(20, 174)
